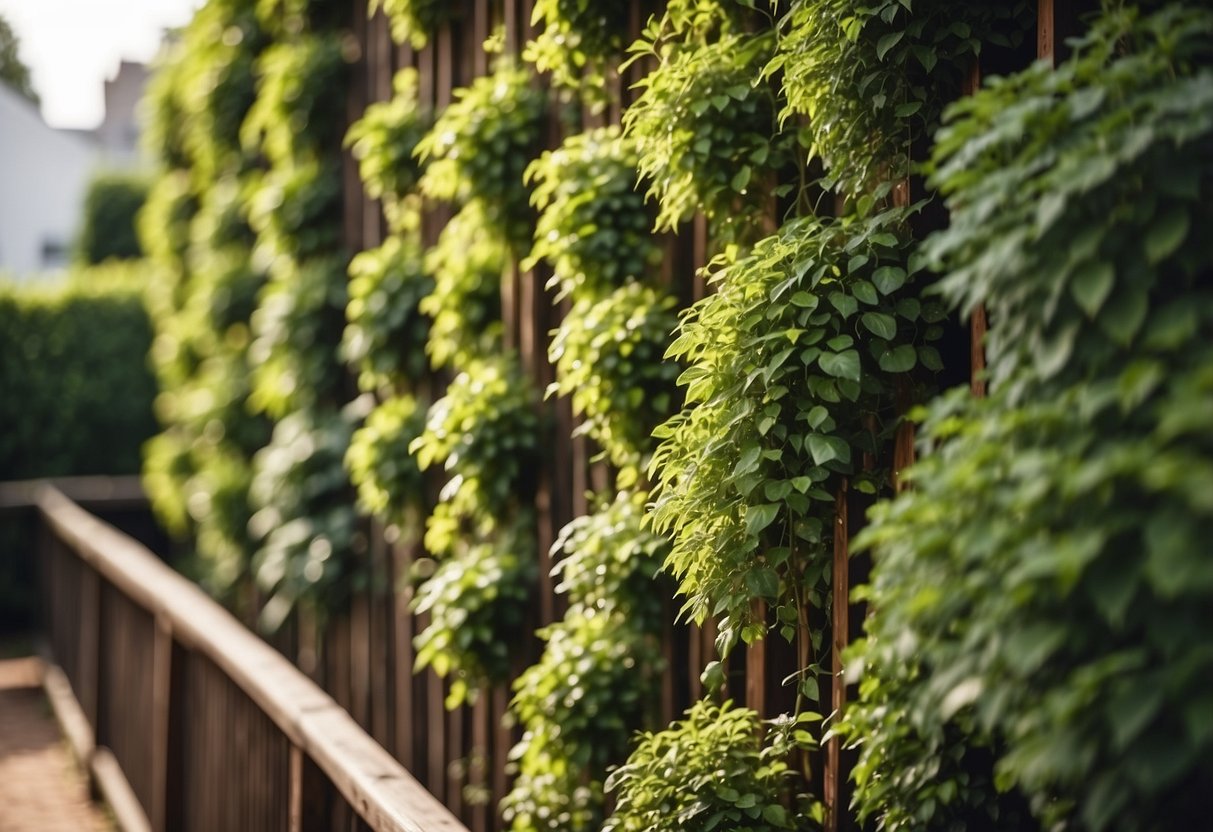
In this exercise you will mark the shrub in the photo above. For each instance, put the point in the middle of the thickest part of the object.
(108, 228)
(75, 389)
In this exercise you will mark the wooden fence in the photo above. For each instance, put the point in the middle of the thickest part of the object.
(186, 719)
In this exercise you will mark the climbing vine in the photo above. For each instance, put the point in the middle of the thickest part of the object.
(1028, 659)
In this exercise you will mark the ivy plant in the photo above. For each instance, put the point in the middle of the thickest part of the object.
(383, 140)
(478, 148)
(1032, 658)
(593, 227)
(484, 433)
(706, 128)
(793, 365)
(297, 328)
(871, 80)
(386, 333)
(303, 518)
(576, 41)
(608, 358)
(413, 21)
(596, 680)
(300, 104)
(712, 770)
(381, 467)
(464, 306)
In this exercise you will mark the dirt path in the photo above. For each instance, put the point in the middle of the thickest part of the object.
(41, 790)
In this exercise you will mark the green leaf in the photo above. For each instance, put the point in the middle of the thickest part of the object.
(825, 449)
(841, 364)
(864, 291)
(741, 178)
(888, 42)
(1165, 235)
(1124, 314)
(804, 300)
(880, 324)
(899, 359)
(844, 303)
(762, 582)
(1091, 285)
(889, 279)
(758, 517)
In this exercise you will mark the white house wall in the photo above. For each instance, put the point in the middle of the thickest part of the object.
(44, 174)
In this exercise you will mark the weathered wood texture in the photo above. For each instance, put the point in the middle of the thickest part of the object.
(198, 716)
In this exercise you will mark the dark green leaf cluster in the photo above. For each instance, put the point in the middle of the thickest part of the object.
(414, 21)
(793, 363)
(477, 150)
(608, 357)
(379, 462)
(706, 128)
(386, 334)
(710, 771)
(1035, 656)
(75, 391)
(383, 141)
(303, 519)
(107, 231)
(300, 105)
(594, 227)
(577, 41)
(1079, 258)
(872, 78)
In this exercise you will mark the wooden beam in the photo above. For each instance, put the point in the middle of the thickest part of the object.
(368, 778)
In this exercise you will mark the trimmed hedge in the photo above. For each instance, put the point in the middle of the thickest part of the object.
(108, 229)
(75, 389)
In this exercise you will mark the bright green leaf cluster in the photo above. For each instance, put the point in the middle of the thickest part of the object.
(711, 770)
(383, 141)
(608, 357)
(706, 129)
(413, 21)
(479, 147)
(794, 363)
(484, 432)
(386, 334)
(576, 42)
(467, 265)
(381, 467)
(594, 227)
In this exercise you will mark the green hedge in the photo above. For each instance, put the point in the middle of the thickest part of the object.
(75, 389)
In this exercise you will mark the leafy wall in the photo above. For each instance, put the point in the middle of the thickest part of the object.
(649, 310)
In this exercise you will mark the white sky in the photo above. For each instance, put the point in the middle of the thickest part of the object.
(72, 46)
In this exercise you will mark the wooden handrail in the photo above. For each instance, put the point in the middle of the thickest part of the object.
(111, 492)
(374, 784)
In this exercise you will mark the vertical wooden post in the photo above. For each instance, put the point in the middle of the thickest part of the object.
(840, 636)
(163, 752)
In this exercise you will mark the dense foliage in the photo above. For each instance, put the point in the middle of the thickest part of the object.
(1033, 656)
(1037, 593)
(75, 391)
